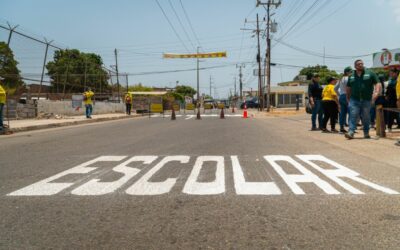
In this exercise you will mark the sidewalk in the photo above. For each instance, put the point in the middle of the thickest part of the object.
(35, 124)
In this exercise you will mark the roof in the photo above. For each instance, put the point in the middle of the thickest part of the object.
(148, 92)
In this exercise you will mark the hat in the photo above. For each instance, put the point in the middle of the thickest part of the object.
(331, 78)
(315, 75)
(348, 70)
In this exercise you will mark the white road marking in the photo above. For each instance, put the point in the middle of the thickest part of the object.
(143, 186)
(46, 187)
(95, 187)
(342, 171)
(251, 188)
(292, 179)
(189, 117)
(217, 186)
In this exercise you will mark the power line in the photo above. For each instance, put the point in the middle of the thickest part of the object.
(183, 27)
(313, 53)
(172, 26)
(190, 23)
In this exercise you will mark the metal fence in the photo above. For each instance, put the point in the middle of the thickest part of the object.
(33, 52)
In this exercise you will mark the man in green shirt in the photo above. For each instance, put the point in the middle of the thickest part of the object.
(362, 89)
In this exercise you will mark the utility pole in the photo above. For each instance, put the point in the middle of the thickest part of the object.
(269, 4)
(260, 90)
(44, 64)
(235, 93)
(11, 31)
(240, 80)
(116, 69)
(198, 78)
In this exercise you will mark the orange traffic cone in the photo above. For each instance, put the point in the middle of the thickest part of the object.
(222, 115)
(245, 112)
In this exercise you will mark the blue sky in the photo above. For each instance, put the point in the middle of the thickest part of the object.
(141, 33)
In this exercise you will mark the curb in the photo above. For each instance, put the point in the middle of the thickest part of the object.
(69, 123)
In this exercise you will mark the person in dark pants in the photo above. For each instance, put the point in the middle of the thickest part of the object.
(330, 104)
(128, 103)
(391, 98)
(315, 98)
(340, 89)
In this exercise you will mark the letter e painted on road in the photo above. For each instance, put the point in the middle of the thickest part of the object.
(192, 186)
(342, 171)
(251, 188)
(47, 187)
(144, 187)
(95, 187)
(292, 179)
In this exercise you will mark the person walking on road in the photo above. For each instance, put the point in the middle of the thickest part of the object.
(87, 98)
(391, 98)
(330, 104)
(128, 103)
(315, 99)
(3, 97)
(361, 89)
(398, 100)
(340, 89)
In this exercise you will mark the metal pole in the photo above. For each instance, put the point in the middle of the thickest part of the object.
(127, 85)
(84, 77)
(210, 86)
(260, 92)
(116, 69)
(44, 64)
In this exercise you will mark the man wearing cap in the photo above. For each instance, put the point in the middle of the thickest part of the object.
(2, 103)
(360, 91)
(340, 89)
(315, 99)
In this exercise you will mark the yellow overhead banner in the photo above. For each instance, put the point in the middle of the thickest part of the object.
(199, 55)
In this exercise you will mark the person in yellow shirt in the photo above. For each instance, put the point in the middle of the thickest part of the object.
(330, 104)
(3, 97)
(128, 103)
(88, 99)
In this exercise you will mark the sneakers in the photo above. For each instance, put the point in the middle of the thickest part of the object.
(342, 130)
(324, 130)
(397, 143)
(314, 129)
(334, 131)
(349, 135)
(367, 136)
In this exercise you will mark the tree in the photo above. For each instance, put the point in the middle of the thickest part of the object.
(140, 87)
(9, 70)
(323, 71)
(185, 90)
(70, 69)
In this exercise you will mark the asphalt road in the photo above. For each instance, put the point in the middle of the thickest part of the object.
(198, 184)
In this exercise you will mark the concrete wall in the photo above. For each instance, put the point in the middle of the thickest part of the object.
(65, 108)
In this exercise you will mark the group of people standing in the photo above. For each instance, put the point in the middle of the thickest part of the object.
(353, 98)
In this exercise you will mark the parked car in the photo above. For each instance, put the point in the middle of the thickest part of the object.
(250, 105)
